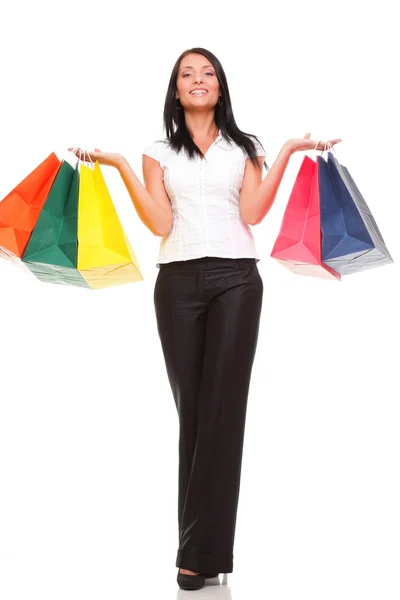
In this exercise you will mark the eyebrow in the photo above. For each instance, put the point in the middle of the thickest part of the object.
(205, 67)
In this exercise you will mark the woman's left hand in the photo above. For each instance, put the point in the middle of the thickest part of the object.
(305, 143)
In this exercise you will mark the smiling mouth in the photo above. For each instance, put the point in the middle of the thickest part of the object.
(199, 93)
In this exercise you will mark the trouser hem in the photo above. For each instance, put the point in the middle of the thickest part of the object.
(219, 562)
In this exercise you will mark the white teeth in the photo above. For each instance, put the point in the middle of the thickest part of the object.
(199, 93)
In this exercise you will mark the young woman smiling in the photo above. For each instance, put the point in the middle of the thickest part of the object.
(203, 187)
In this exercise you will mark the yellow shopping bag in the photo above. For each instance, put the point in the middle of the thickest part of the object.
(105, 256)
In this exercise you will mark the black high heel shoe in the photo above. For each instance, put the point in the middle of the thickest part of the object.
(210, 575)
(190, 582)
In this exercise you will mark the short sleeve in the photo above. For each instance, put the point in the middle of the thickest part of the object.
(153, 150)
(259, 149)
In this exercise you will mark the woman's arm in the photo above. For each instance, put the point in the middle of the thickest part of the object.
(150, 201)
(153, 207)
(256, 204)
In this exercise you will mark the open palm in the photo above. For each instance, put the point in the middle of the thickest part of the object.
(306, 143)
(103, 158)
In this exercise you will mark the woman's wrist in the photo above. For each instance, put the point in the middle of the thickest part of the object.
(288, 147)
(120, 162)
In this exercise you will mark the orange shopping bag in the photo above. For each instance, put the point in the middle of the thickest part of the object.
(20, 209)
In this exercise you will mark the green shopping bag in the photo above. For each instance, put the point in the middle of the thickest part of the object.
(52, 251)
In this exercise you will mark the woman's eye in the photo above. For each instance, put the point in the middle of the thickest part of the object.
(208, 73)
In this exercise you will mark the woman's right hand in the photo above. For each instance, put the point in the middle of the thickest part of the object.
(111, 159)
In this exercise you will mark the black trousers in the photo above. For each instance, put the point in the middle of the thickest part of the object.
(208, 312)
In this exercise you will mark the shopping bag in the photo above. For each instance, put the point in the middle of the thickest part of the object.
(52, 251)
(20, 209)
(298, 245)
(105, 256)
(351, 240)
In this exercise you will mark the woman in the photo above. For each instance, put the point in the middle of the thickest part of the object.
(203, 188)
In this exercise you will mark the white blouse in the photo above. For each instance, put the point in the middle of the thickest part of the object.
(204, 195)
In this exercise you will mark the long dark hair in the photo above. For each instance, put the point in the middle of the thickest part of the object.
(174, 119)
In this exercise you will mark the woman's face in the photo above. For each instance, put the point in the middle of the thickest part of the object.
(196, 71)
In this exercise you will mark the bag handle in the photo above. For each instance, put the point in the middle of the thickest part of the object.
(84, 154)
(327, 147)
(332, 149)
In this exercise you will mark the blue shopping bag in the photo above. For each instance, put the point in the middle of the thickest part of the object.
(351, 240)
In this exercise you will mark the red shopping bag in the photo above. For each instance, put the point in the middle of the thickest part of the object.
(20, 209)
(298, 245)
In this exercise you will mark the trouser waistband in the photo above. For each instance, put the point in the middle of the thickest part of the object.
(209, 261)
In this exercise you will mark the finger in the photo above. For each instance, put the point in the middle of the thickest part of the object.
(307, 136)
(316, 144)
(329, 143)
(87, 156)
(322, 145)
(80, 154)
(97, 150)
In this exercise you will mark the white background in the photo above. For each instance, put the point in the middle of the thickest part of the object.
(88, 427)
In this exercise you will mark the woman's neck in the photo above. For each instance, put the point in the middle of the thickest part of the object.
(201, 127)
